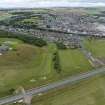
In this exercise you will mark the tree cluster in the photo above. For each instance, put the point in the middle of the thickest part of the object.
(25, 38)
(56, 62)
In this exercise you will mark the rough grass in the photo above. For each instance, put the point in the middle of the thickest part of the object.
(89, 92)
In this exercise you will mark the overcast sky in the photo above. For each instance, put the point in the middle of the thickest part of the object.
(50, 3)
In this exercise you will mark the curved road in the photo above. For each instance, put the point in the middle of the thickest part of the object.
(60, 84)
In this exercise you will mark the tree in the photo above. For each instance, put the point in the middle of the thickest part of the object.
(25, 38)
(61, 45)
(11, 91)
(56, 61)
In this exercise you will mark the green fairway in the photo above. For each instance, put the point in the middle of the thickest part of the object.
(96, 47)
(73, 61)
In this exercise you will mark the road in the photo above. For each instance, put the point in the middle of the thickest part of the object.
(50, 31)
(60, 84)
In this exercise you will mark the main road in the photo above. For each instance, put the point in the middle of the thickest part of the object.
(56, 85)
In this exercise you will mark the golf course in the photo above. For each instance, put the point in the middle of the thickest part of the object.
(30, 66)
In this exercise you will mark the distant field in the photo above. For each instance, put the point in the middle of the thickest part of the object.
(82, 11)
(32, 20)
(30, 66)
(93, 11)
(4, 15)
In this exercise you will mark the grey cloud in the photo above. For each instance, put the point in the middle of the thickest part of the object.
(49, 3)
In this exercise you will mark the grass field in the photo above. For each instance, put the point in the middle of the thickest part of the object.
(33, 20)
(89, 92)
(96, 47)
(31, 66)
(73, 61)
